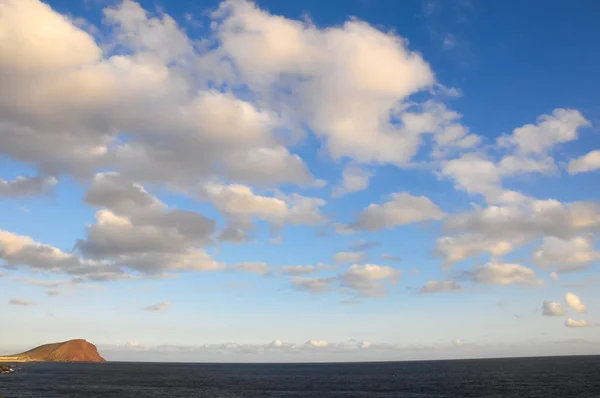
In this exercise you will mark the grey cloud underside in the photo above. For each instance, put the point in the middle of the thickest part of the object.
(552, 308)
(440, 287)
(23, 186)
(233, 234)
(138, 231)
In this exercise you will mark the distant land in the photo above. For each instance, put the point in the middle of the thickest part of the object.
(78, 350)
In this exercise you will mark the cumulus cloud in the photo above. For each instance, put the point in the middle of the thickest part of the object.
(136, 230)
(26, 186)
(498, 273)
(159, 307)
(552, 308)
(233, 234)
(369, 280)
(306, 269)
(564, 255)
(313, 285)
(133, 344)
(354, 179)
(258, 268)
(240, 204)
(554, 276)
(402, 209)
(350, 86)
(21, 302)
(346, 79)
(349, 257)
(116, 248)
(585, 163)
(18, 250)
(527, 152)
(439, 286)
(573, 323)
(559, 127)
(575, 303)
(499, 230)
(458, 342)
(68, 122)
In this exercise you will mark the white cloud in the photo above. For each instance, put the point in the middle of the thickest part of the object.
(402, 209)
(572, 323)
(498, 230)
(26, 186)
(564, 255)
(277, 343)
(528, 148)
(317, 343)
(159, 307)
(268, 166)
(160, 34)
(240, 204)
(575, 303)
(473, 174)
(440, 286)
(258, 268)
(306, 269)
(498, 273)
(346, 79)
(312, 285)
(69, 121)
(350, 257)
(133, 344)
(354, 179)
(560, 127)
(21, 302)
(458, 342)
(369, 280)
(457, 248)
(476, 174)
(554, 276)
(585, 163)
(552, 308)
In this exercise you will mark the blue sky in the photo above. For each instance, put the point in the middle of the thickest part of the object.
(298, 181)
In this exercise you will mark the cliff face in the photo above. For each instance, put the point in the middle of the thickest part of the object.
(68, 351)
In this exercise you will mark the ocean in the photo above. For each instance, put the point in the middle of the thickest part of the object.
(546, 377)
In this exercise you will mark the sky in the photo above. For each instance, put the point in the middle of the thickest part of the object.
(267, 181)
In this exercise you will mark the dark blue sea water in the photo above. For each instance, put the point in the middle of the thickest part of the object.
(527, 377)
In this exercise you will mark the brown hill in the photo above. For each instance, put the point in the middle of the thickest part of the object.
(68, 351)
